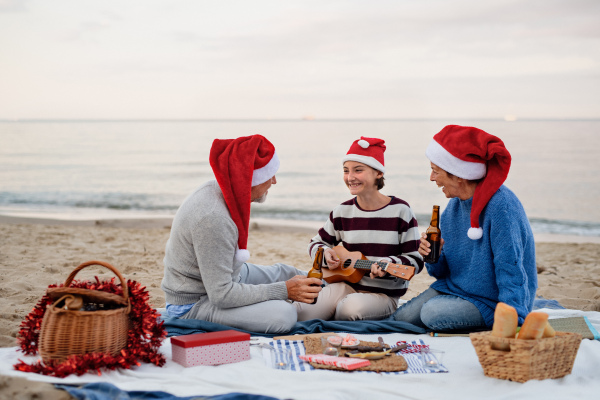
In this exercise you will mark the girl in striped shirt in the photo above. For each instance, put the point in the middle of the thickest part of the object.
(382, 228)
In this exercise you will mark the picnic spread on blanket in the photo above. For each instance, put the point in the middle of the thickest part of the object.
(64, 325)
(542, 349)
(253, 376)
(308, 354)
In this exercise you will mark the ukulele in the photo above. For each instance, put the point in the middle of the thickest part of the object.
(354, 265)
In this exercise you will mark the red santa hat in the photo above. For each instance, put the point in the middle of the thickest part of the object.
(472, 154)
(368, 151)
(239, 164)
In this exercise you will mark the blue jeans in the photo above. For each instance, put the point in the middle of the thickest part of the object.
(440, 312)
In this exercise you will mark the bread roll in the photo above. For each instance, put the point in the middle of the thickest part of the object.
(534, 325)
(548, 331)
(505, 324)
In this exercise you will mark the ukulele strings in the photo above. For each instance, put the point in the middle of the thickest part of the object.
(365, 264)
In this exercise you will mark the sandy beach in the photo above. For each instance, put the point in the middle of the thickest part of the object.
(35, 253)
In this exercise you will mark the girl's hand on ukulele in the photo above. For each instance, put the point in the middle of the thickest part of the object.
(331, 259)
(376, 271)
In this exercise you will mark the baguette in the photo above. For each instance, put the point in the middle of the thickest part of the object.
(534, 325)
(548, 331)
(505, 324)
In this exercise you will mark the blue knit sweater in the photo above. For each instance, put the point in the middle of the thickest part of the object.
(498, 267)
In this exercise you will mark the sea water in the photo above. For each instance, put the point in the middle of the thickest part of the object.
(133, 168)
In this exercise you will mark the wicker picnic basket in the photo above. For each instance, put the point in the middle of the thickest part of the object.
(68, 330)
(547, 358)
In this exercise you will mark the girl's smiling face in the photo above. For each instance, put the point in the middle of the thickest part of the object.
(360, 178)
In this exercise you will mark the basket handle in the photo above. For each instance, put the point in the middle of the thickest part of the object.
(104, 264)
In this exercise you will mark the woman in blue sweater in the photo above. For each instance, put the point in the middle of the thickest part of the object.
(488, 251)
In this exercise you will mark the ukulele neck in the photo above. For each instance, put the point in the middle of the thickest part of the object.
(366, 264)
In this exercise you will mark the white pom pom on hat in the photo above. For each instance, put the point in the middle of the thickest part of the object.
(242, 255)
(368, 151)
(363, 143)
(475, 233)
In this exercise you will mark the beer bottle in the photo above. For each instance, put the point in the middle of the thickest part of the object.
(316, 272)
(434, 236)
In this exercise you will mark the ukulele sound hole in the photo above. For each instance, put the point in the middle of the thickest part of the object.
(347, 263)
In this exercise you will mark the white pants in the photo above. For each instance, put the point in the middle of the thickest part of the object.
(339, 301)
(273, 316)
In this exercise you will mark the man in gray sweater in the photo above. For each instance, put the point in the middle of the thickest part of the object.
(206, 275)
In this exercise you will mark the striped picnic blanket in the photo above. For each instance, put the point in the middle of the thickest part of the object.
(297, 346)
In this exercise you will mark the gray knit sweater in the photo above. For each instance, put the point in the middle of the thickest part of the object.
(200, 256)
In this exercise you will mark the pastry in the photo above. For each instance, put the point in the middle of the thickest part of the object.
(505, 325)
(534, 325)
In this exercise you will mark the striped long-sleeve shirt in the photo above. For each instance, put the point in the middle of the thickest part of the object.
(389, 234)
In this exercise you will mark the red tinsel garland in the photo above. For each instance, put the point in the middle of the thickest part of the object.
(143, 338)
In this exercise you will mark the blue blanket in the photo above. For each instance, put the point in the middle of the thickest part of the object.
(541, 302)
(178, 327)
(107, 391)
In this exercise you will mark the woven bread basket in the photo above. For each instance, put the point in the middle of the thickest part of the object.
(67, 330)
(540, 359)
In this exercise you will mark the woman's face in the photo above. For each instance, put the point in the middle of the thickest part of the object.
(360, 178)
(449, 183)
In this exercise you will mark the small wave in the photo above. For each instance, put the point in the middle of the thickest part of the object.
(289, 214)
(109, 201)
(169, 204)
(541, 225)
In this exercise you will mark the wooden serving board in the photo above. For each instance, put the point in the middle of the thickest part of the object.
(391, 363)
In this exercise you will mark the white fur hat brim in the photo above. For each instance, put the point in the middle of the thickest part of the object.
(370, 161)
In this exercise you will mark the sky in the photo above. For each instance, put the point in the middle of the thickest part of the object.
(322, 59)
